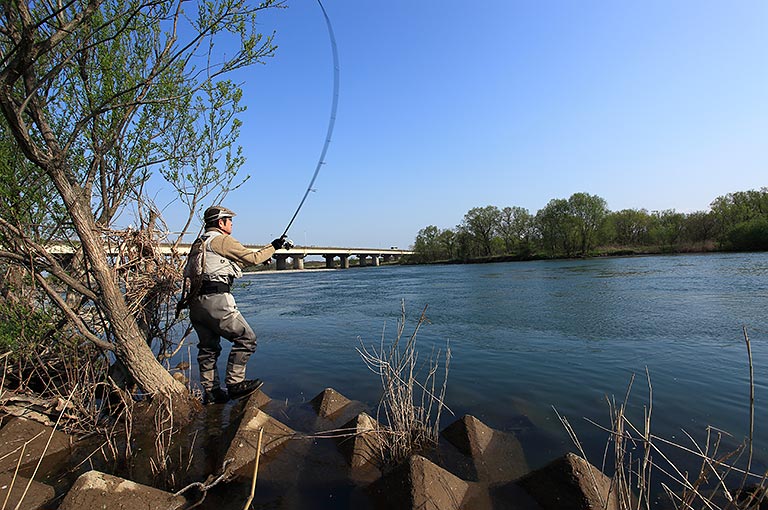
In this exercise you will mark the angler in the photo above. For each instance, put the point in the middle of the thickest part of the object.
(214, 261)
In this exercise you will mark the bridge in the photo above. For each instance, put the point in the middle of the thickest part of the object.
(297, 254)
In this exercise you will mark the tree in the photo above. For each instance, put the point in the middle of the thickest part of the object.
(749, 235)
(482, 223)
(447, 242)
(97, 96)
(699, 226)
(557, 227)
(516, 228)
(426, 247)
(465, 244)
(739, 207)
(630, 226)
(667, 227)
(589, 213)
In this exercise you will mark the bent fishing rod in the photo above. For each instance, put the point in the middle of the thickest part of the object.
(331, 120)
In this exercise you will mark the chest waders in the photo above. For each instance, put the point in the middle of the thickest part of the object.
(214, 314)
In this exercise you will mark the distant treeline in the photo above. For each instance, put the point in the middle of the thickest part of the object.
(582, 225)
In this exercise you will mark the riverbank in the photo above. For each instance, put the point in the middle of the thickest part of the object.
(601, 252)
(318, 455)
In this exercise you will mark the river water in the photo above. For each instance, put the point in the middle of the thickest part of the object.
(530, 337)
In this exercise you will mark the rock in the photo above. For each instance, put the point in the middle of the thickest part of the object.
(37, 496)
(244, 445)
(329, 402)
(495, 456)
(418, 483)
(27, 439)
(95, 491)
(363, 447)
(570, 483)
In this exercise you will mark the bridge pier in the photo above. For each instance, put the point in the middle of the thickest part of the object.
(329, 261)
(282, 262)
(344, 261)
(298, 262)
(363, 261)
(387, 258)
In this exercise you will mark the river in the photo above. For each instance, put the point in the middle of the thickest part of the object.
(530, 337)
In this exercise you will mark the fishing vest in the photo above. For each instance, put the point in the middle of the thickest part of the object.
(205, 265)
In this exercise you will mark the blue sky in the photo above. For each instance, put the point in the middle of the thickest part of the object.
(445, 106)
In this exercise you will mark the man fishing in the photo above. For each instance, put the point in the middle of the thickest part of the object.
(214, 261)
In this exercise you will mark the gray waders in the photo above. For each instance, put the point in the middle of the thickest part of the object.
(214, 316)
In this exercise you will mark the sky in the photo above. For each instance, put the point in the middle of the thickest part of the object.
(445, 106)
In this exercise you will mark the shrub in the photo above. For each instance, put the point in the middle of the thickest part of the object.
(22, 326)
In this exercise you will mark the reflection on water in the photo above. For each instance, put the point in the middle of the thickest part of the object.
(527, 336)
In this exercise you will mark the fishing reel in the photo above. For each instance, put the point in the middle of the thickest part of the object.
(282, 242)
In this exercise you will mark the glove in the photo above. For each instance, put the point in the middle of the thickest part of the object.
(279, 242)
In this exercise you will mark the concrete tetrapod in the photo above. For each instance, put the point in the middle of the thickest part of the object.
(37, 496)
(418, 483)
(257, 400)
(95, 491)
(362, 445)
(30, 437)
(242, 450)
(570, 483)
(329, 402)
(495, 456)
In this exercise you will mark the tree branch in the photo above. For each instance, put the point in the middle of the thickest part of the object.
(73, 317)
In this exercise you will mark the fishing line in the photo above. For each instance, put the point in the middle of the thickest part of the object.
(331, 120)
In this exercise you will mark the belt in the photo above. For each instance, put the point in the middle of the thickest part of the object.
(214, 288)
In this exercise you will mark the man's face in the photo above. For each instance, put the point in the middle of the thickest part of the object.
(225, 225)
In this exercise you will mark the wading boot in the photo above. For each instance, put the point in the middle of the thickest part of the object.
(244, 388)
(215, 396)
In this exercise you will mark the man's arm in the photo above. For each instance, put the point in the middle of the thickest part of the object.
(231, 248)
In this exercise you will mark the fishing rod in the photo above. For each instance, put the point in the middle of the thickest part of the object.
(331, 120)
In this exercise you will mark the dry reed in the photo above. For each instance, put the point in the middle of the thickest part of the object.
(410, 404)
(711, 487)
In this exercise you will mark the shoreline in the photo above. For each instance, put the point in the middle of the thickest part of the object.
(515, 258)
(599, 255)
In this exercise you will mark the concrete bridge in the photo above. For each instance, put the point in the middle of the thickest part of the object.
(297, 254)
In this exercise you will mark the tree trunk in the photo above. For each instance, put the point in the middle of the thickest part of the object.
(130, 345)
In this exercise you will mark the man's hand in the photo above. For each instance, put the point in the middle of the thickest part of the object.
(279, 242)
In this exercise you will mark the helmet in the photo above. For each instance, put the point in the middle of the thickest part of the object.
(216, 212)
